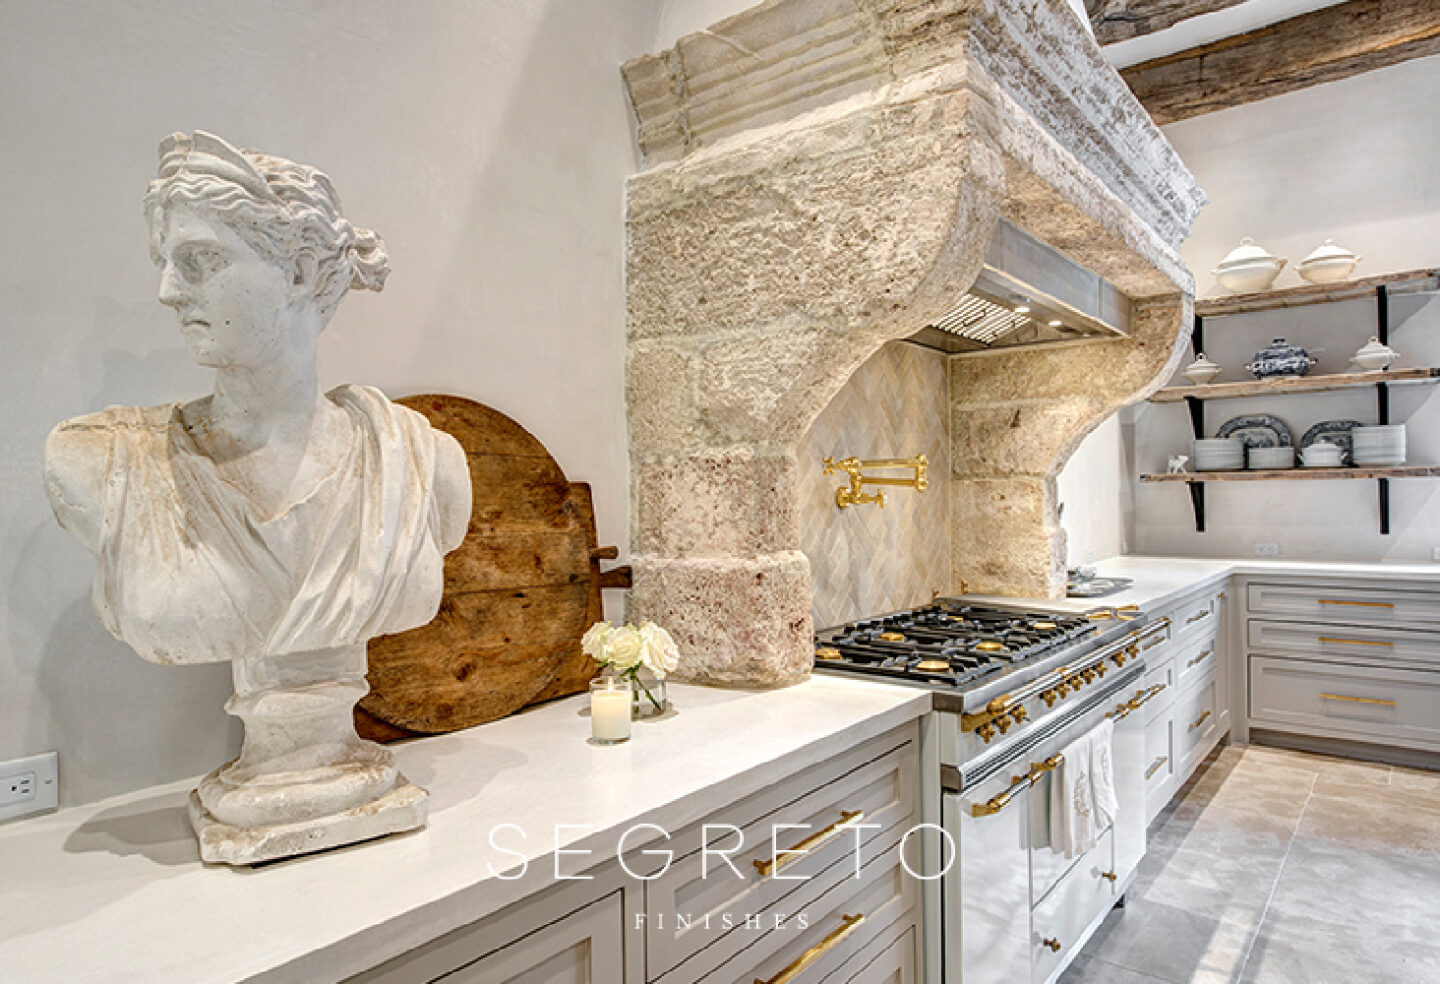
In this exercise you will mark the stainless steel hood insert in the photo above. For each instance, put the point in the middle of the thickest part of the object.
(1028, 294)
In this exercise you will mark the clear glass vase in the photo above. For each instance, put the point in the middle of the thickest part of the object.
(647, 695)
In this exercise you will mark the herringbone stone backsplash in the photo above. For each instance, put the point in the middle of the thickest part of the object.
(865, 560)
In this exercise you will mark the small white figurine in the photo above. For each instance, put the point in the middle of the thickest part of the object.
(268, 524)
(1177, 463)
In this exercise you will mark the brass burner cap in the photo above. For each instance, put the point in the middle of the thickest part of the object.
(828, 652)
(990, 647)
(933, 666)
(1044, 626)
(890, 637)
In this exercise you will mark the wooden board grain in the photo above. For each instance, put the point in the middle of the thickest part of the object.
(519, 591)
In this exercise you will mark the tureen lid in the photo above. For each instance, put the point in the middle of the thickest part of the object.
(1279, 349)
(1329, 251)
(1375, 347)
(1246, 252)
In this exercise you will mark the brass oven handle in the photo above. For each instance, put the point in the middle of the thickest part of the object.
(1359, 604)
(1199, 659)
(1053, 944)
(791, 855)
(1197, 617)
(1155, 765)
(999, 801)
(1199, 721)
(1359, 700)
(848, 925)
(1356, 642)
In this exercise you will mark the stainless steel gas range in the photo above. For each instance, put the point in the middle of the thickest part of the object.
(1012, 689)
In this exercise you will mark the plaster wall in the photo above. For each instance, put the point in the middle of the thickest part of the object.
(1354, 160)
(487, 143)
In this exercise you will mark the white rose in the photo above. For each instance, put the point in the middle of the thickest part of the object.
(661, 655)
(592, 643)
(624, 647)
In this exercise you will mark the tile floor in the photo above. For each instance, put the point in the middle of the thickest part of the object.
(1281, 867)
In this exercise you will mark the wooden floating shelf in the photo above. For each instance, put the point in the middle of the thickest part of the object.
(1344, 290)
(1298, 474)
(1297, 384)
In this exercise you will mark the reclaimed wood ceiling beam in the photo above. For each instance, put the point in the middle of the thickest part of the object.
(1118, 20)
(1321, 46)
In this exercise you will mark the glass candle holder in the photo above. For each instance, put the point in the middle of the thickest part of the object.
(610, 700)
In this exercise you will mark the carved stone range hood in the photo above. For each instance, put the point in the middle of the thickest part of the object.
(820, 177)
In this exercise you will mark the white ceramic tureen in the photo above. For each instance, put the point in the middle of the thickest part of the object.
(1201, 371)
(1328, 263)
(1248, 267)
(1374, 354)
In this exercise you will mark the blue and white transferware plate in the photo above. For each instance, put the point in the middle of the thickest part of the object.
(1258, 430)
(1337, 432)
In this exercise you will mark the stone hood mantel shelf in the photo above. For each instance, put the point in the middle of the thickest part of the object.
(822, 176)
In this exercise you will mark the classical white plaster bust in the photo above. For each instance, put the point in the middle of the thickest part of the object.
(267, 524)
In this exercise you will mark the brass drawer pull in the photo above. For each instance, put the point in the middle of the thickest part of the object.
(1199, 721)
(1199, 659)
(1053, 944)
(1197, 617)
(1155, 766)
(1358, 700)
(1221, 596)
(1359, 604)
(1109, 876)
(848, 925)
(791, 855)
(1357, 642)
(1152, 643)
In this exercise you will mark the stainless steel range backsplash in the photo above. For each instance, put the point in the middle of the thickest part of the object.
(864, 559)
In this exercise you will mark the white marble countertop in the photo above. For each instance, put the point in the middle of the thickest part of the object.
(1161, 580)
(114, 891)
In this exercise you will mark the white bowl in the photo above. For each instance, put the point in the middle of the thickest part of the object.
(1270, 458)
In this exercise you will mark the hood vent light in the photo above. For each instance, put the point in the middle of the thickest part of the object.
(1028, 294)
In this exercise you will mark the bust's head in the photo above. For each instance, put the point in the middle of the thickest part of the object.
(288, 213)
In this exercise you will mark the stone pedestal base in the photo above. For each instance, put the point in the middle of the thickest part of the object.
(403, 808)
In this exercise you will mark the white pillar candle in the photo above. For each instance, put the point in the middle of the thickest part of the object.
(609, 710)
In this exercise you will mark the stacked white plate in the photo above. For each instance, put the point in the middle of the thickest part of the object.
(1269, 458)
(1218, 454)
(1383, 445)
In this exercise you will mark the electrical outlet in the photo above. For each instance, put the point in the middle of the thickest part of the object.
(29, 785)
(1435, 553)
(1267, 549)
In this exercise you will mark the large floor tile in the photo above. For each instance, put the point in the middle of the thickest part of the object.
(1088, 970)
(1172, 942)
(1391, 823)
(1325, 884)
(1285, 953)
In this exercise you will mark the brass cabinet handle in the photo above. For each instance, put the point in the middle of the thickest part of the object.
(848, 925)
(1109, 876)
(1199, 659)
(1155, 765)
(1197, 617)
(1053, 944)
(1358, 700)
(1152, 643)
(1359, 604)
(1199, 721)
(1221, 596)
(1356, 642)
(793, 854)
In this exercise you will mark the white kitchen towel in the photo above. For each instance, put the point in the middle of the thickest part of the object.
(1072, 807)
(1102, 774)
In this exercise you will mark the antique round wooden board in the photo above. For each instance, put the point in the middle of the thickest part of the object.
(519, 591)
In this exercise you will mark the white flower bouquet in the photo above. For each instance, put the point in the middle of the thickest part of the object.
(625, 650)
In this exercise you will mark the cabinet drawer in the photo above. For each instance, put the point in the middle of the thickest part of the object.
(1161, 674)
(875, 784)
(536, 941)
(893, 958)
(1196, 724)
(1059, 923)
(1361, 702)
(1197, 658)
(1346, 643)
(840, 924)
(1199, 614)
(1159, 762)
(1154, 645)
(1358, 606)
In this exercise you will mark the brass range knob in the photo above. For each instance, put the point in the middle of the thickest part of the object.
(986, 732)
(1053, 944)
(1062, 689)
(1019, 714)
(1049, 697)
(1003, 723)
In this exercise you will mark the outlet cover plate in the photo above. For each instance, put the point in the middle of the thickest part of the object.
(1267, 549)
(42, 792)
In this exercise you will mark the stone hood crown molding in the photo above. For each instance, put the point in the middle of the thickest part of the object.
(825, 175)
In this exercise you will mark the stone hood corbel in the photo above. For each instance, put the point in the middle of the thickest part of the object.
(822, 176)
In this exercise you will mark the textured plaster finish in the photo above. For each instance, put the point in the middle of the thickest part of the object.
(825, 175)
